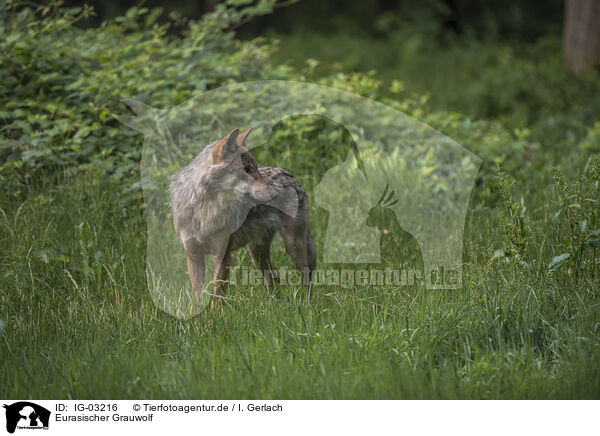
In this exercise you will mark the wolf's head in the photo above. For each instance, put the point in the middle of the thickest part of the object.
(233, 167)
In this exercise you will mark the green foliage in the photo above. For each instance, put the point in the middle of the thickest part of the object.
(522, 85)
(577, 221)
(61, 83)
(512, 216)
(591, 142)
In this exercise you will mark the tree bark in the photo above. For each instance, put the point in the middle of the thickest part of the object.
(581, 38)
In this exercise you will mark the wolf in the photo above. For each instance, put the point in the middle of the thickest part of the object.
(223, 201)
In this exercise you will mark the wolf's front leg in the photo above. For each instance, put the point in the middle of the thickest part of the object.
(222, 262)
(195, 262)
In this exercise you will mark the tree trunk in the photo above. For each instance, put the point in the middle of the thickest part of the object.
(210, 5)
(581, 38)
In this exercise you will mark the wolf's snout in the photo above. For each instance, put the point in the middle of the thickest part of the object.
(265, 193)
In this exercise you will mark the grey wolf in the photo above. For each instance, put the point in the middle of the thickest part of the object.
(223, 201)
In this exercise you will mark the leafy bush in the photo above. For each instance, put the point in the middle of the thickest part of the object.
(61, 83)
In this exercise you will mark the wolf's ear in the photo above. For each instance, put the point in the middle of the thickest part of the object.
(225, 146)
(241, 140)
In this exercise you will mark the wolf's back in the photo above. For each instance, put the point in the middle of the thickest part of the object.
(280, 178)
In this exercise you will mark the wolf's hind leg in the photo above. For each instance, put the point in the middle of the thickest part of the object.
(312, 259)
(260, 252)
(295, 236)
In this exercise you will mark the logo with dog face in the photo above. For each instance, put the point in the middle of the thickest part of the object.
(399, 164)
(26, 415)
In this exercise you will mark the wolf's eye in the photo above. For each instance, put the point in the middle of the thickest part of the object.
(248, 170)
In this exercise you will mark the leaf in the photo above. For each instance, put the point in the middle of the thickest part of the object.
(594, 243)
(592, 240)
(558, 261)
(582, 225)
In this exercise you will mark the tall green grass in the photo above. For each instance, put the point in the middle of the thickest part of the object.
(80, 322)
